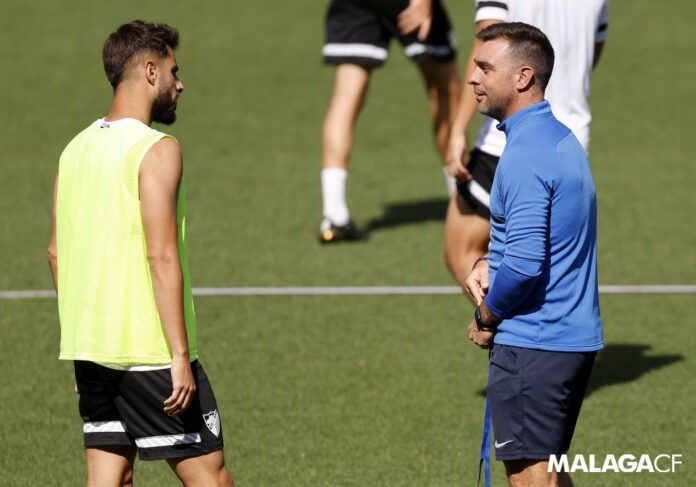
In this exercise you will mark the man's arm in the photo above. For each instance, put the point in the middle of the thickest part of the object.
(160, 174)
(457, 153)
(527, 187)
(52, 244)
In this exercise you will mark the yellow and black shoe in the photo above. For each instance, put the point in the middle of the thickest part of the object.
(329, 233)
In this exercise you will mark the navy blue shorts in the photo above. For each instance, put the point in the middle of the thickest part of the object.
(535, 398)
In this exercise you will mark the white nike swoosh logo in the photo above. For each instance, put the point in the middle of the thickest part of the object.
(498, 445)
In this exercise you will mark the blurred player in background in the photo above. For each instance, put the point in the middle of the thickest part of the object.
(357, 37)
(120, 265)
(577, 30)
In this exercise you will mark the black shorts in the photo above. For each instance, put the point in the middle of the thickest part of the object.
(477, 192)
(126, 408)
(535, 398)
(359, 31)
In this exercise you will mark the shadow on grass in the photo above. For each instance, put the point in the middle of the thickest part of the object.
(411, 212)
(618, 364)
(622, 363)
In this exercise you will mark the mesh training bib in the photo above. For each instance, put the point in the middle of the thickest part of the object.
(105, 299)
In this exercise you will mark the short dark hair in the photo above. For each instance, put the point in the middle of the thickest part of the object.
(130, 40)
(528, 45)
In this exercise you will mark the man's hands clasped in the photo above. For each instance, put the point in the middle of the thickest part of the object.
(476, 288)
(483, 339)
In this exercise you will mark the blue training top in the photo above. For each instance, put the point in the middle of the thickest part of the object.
(543, 250)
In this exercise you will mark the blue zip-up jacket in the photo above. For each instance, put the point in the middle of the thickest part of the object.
(543, 249)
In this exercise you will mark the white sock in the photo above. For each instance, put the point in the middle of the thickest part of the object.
(333, 191)
(450, 182)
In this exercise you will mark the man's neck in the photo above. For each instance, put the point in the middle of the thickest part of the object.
(129, 105)
(521, 103)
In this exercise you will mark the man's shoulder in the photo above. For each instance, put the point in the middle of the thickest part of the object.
(543, 135)
(153, 131)
(78, 143)
(163, 158)
(534, 148)
(568, 149)
(152, 145)
(165, 148)
(538, 134)
(81, 134)
(549, 125)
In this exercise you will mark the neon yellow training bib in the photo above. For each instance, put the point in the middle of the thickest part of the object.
(105, 299)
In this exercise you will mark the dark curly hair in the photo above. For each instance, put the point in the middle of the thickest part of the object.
(130, 40)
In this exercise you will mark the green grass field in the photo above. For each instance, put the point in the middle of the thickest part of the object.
(344, 391)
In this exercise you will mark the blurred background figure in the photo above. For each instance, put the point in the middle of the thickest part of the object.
(577, 31)
(358, 33)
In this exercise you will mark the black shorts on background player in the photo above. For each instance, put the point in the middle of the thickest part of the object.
(127, 408)
(482, 169)
(359, 31)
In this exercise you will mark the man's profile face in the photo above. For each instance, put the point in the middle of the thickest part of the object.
(493, 78)
(170, 88)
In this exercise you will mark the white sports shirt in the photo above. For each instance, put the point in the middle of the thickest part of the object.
(573, 27)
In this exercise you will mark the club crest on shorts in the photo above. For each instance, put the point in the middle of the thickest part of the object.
(212, 421)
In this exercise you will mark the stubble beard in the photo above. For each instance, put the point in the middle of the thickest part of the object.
(493, 109)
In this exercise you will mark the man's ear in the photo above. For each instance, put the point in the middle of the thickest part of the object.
(524, 78)
(151, 72)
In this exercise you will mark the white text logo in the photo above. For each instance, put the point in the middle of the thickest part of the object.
(627, 463)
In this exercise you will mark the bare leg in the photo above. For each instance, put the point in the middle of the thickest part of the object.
(110, 466)
(532, 473)
(350, 87)
(466, 238)
(442, 87)
(202, 471)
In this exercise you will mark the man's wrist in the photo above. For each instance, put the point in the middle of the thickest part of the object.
(488, 319)
(481, 324)
(479, 260)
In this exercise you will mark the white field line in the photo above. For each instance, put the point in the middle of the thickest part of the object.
(366, 291)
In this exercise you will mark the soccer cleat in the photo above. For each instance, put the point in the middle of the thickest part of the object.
(329, 233)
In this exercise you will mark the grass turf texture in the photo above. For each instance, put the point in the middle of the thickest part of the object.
(313, 393)
(343, 391)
